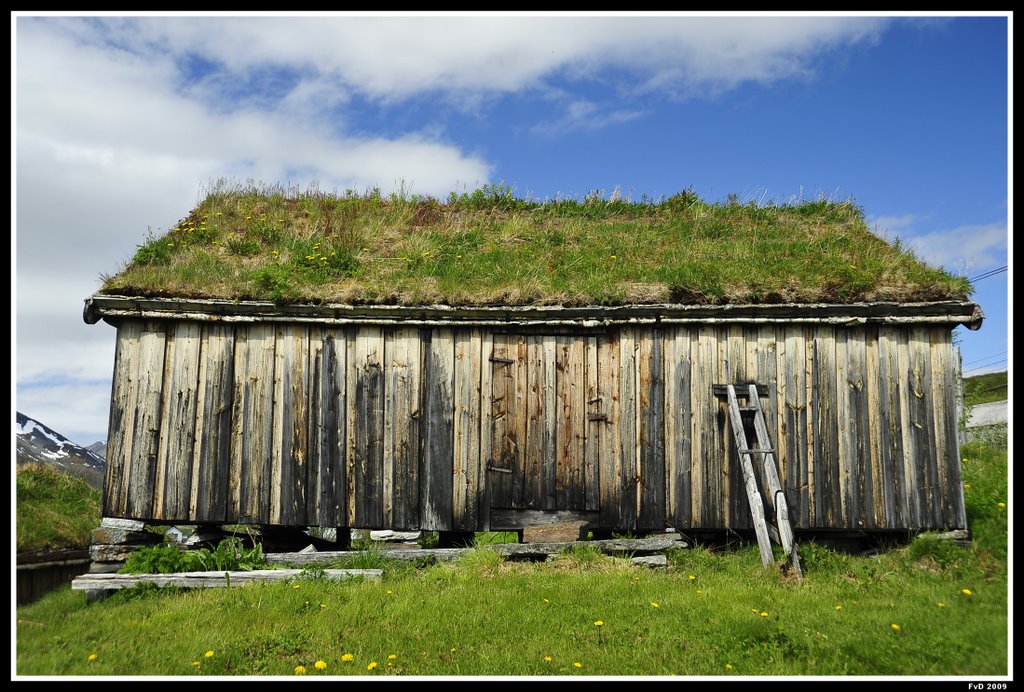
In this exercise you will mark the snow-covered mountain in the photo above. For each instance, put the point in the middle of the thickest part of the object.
(37, 443)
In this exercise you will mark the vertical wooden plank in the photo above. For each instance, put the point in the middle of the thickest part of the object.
(326, 467)
(179, 422)
(351, 377)
(146, 429)
(211, 461)
(609, 441)
(466, 430)
(922, 422)
(826, 426)
(123, 406)
(483, 494)
(651, 385)
(596, 420)
(845, 481)
(629, 429)
(735, 511)
(678, 427)
(438, 432)
(909, 381)
(761, 369)
(810, 431)
(402, 429)
(504, 439)
(291, 432)
(569, 392)
(793, 434)
(876, 389)
(859, 383)
(534, 473)
(368, 364)
(896, 423)
(252, 424)
(706, 463)
(944, 371)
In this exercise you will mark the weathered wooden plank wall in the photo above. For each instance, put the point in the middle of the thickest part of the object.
(433, 428)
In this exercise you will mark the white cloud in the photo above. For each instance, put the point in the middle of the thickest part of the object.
(964, 249)
(585, 115)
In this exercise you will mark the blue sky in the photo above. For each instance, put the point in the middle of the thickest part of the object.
(119, 124)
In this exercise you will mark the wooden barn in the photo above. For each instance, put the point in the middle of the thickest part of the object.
(362, 399)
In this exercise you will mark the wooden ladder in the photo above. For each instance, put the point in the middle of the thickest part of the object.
(781, 531)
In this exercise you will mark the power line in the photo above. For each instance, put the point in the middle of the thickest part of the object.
(988, 274)
(978, 360)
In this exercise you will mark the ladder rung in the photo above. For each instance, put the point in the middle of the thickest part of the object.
(747, 408)
(757, 451)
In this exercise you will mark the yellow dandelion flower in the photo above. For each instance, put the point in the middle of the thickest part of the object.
(390, 592)
(170, 244)
(764, 614)
(728, 666)
(967, 486)
(547, 601)
(320, 665)
(577, 664)
(548, 659)
(220, 213)
(699, 591)
(654, 605)
(392, 657)
(941, 604)
(458, 256)
(839, 607)
(599, 623)
(366, 249)
(195, 664)
(372, 665)
(966, 592)
(323, 605)
(753, 610)
(613, 256)
(300, 670)
(346, 657)
(692, 577)
(453, 649)
(295, 586)
(208, 654)
(896, 628)
(1001, 504)
(92, 657)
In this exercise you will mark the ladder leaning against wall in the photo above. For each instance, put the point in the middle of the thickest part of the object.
(761, 453)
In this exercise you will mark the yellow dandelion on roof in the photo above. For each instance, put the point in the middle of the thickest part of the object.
(300, 670)
(372, 665)
(208, 654)
(896, 628)
(699, 591)
(1001, 504)
(366, 249)
(728, 666)
(92, 657)
(599, 623)
(941, 604)
(753, 610)
(323, 605)
(839, 607)
(320, 665)
(692, 577)
(195, 664)
(295, 586)
(764, 614)
(577, 664)
(613, 256)
(346, 657)
(548, 659)
(966, 592)
(453, 649)
(390, 592)
(170, 244)
(547, 601)
(654, 605)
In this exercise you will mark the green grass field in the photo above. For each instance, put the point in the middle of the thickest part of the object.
(930, 608)
(53, 509)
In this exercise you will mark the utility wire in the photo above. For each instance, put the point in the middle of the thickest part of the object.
(988, 274)
(978, 360)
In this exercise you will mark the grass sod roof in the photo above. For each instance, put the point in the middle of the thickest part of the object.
(490, 248)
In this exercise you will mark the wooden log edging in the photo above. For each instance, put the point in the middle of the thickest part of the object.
(188, 580)
(525, 551)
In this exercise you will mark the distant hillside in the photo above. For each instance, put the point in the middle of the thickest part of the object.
(39, 444)
(54, 509)
(982, 389)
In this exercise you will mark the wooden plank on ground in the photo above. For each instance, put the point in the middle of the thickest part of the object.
(190, 580)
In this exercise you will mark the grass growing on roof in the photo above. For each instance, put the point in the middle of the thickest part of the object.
(489, 247)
